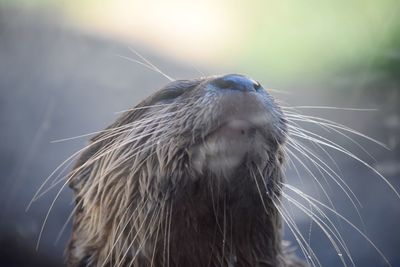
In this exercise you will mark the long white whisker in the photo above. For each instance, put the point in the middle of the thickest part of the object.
(310, 198)
(335, 129)
(314, 177)
(333, 124)
(354, 157)
(150, 64)
(328, 231)
(305, 248)
(325, 168)
(331, 108)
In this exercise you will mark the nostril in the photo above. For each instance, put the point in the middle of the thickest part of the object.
(236, 82)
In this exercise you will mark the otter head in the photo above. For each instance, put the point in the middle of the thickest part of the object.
(193, 154)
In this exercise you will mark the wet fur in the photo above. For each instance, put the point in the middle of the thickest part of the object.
(140, 200)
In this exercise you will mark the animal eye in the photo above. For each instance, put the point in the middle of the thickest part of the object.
(174, 90)
(170, 94)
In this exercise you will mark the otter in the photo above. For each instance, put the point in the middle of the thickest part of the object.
(191, 176)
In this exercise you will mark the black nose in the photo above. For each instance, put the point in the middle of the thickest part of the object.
(236, 82)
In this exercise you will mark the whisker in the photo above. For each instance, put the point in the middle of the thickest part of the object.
(308, 197)
(307, 251)
(90, 161)
(342, 134)
(326, 169)
(321, 212)
(150, 64)
(326, 122)
(297, 128)
(330, 108)
(328, 231)
(65, 224)
(151, 226)
(313, 176)
(344, 151)
(121, 260)
(142, 204)
(128, 125)
(146, 107)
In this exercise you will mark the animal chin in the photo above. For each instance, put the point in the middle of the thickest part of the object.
(225, 148)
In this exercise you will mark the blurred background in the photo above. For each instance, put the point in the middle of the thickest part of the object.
(64, 72)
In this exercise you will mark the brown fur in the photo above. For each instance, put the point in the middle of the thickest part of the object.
(148, 193)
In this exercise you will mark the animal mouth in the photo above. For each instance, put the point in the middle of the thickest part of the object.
(240, 134)
(225, 148)
(235, 130)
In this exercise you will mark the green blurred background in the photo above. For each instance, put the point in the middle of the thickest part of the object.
(281, 39)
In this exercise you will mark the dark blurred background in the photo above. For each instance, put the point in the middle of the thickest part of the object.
(62, 74)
